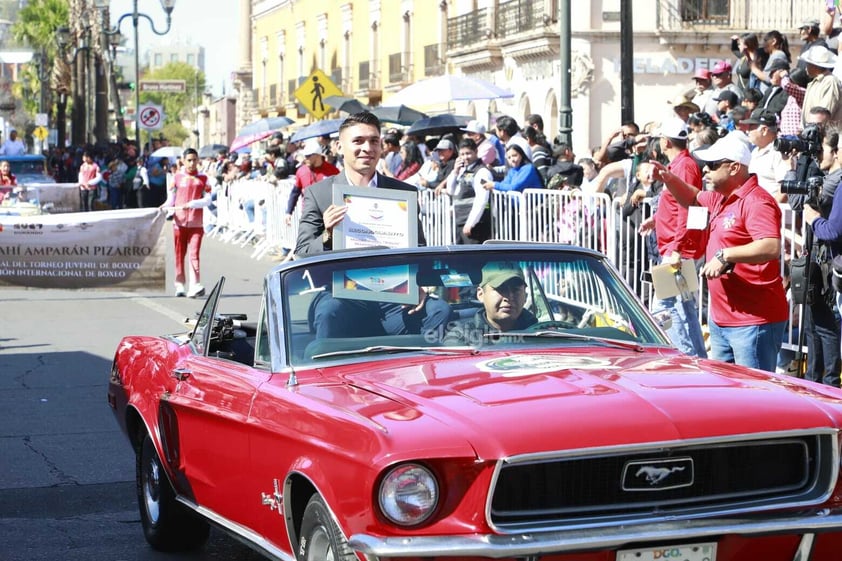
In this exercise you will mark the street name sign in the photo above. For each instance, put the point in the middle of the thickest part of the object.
(163, 86)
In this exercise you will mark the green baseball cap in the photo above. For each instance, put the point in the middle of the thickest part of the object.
(497, 274)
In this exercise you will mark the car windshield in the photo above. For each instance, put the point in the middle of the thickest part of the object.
(27, 167)
(389, 303)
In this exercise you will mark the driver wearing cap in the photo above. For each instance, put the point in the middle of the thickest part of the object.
(502, 292)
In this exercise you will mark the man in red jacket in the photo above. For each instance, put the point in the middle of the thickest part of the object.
(314, 169)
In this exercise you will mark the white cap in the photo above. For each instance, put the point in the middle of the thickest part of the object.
(521, 143)
(475, 127)
(673, 128)
(731, 147)
(311, 146)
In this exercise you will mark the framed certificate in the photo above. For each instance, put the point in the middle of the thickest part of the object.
(375, 217)
(381, 284)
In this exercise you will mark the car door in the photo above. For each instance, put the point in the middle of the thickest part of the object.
(207, 416)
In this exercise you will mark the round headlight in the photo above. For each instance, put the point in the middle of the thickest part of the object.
(408, 494)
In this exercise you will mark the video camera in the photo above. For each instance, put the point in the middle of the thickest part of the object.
(808, 142)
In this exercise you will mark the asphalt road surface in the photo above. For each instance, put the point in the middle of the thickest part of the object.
(66, 471)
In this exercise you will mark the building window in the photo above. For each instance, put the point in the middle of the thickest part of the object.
(191, 59)
(432, 63)
(159, 59)
(173, 57)
(365, 75)
(705, 11)
(395, 68)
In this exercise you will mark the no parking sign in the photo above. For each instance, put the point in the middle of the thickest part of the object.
(151, 116)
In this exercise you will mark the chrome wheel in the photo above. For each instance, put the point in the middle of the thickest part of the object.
(167, 524)
(319, 548)
(152, 490)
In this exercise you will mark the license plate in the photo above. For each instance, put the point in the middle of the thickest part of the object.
(691, 552)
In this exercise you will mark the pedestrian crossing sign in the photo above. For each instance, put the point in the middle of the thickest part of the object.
(312, 92)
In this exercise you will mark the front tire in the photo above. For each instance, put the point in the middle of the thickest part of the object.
(321, 539)
(167, 524)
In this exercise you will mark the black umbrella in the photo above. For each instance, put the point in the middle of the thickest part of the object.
(211, 150)
(439, 124)
(265, 125)
(319, 128)
(346, 104)
(401, 114)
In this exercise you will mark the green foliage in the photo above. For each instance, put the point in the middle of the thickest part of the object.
(37, 23)
(35, 27)
(175, 133)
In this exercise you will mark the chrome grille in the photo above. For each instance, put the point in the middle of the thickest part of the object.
(686, 479)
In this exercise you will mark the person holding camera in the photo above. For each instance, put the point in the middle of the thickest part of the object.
(748, 308)
(821, 316)
(767, 163)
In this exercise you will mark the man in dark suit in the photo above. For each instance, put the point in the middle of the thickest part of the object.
(359, 143)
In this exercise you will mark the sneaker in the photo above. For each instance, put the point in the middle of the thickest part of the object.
(196, 291)
(179, 290)
(791, 369)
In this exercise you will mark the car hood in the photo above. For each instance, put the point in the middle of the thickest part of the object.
(507, 404)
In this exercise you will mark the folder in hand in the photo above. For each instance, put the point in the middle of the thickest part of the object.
(667, 280)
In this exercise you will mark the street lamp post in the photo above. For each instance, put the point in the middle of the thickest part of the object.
(167, 6)
(42, 68)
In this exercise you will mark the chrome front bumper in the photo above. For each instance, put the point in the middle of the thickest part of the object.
(544, 543)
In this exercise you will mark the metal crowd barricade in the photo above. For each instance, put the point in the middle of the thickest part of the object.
(279, 237)
(436, 215)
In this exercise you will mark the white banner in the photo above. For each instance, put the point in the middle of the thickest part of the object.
(110, 250)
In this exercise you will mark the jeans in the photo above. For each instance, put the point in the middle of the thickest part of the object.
(248, 206)
(821, 328)
(115, 197)
(685, 331)
(86, 199)
(755, 346)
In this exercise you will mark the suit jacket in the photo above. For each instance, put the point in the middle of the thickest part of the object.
(774, 99)
(318, 197)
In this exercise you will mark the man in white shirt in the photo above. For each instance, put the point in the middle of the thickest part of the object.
(13, 146)
(766, 162)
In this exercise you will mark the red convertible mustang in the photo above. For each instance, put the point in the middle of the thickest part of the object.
(504, 401)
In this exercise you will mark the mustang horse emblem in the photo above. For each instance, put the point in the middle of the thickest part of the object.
(655, 475)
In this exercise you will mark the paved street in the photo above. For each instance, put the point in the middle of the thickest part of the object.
(66, 472)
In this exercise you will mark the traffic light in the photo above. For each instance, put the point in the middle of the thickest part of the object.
(132, 86)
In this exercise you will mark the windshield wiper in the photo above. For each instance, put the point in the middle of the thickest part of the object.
(375, 349)
(619, 343)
